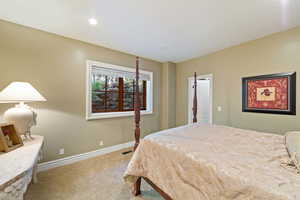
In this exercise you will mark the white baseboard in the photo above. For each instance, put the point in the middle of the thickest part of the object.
(72, 159)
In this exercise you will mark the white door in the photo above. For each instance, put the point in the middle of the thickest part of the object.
(204, 99)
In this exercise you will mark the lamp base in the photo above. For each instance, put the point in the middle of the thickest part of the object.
(23, 117)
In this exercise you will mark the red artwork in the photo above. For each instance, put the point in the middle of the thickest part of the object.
(268, 93)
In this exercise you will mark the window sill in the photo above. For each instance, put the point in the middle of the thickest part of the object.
(115, 114)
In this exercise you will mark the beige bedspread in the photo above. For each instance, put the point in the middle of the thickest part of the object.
(209, 162)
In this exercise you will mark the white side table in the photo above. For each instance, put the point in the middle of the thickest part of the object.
(18, 168)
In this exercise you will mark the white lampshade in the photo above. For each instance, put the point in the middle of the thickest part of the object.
(20, 92)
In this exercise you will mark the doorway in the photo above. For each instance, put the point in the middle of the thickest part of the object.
(204, 98)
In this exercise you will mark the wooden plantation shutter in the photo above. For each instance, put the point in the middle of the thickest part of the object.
(113, 90)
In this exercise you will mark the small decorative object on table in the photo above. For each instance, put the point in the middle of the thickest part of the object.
(22, 116)
(9, 139)
(274, 93)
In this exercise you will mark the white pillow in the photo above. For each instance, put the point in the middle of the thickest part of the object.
(292, 143)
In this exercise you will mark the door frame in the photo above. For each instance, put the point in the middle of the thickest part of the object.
(191, 93)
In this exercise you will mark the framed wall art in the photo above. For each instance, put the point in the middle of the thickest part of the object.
(274, 93)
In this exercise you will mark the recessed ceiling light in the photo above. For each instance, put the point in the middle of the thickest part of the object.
(93, 21)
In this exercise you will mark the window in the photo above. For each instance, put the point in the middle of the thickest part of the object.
(111, 90)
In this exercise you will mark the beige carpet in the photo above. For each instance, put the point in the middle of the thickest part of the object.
(93, 179)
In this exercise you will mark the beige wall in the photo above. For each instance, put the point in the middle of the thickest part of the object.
(273, 54)
(168, 96)
(56, 66)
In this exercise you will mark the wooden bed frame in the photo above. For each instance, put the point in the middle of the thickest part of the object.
(137, 133)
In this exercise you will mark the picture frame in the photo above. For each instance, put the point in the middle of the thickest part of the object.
(272, 93)
(9, 138)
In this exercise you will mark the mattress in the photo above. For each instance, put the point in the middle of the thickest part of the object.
(210, 162)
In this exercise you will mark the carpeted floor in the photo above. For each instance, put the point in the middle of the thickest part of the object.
(97, 178)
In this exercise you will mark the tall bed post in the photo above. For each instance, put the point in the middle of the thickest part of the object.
(137, 112)
(137, 118)
(195, 99)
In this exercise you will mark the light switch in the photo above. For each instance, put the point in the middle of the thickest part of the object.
(61, 151)
(219, 108)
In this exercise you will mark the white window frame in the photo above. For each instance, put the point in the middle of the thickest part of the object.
(92, 116)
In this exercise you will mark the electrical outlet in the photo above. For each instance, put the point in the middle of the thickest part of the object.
(101, 143)
(61, 151)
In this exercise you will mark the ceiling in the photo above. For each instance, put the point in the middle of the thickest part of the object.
(163, 30)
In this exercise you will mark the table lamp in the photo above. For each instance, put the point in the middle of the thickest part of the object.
(22, 116)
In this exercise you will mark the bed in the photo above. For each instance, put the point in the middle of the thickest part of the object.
(210, 162)
(215, 162)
